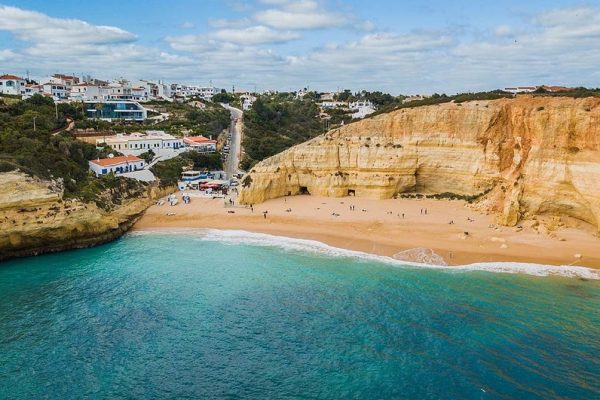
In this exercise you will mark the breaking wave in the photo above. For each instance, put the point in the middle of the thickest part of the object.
(240, 237)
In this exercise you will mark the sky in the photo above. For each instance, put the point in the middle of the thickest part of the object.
(396, 46)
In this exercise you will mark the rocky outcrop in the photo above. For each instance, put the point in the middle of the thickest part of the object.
(35, 218)
(529, 156)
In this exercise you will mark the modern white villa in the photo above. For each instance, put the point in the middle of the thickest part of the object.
(116, 165)
(110, 110)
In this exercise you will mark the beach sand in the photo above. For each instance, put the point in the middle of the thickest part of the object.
(380, 228)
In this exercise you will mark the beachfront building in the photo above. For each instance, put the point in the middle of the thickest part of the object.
(200, 144)
(116, 165)
(110, 110)
(137, 143)
(12, 84)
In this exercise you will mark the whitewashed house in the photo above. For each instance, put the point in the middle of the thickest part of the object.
(361, 108)
(200, 144)
(12, 84)
(247, 101)
(31, 90)
(521, 89)
(57, 90)
(136, 143)
(333, 104)
(116, 165)
(88, 92)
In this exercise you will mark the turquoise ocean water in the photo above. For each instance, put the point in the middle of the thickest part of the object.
(234, 315)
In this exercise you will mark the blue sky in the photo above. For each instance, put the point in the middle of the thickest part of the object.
(394, 46)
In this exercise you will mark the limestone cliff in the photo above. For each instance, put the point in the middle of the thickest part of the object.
(529, 156)
(35, 218)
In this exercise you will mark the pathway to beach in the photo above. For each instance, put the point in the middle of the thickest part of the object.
(385, 227)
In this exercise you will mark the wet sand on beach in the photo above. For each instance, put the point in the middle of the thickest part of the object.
(381, 229)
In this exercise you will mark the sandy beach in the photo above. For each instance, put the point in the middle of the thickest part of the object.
(451, 229)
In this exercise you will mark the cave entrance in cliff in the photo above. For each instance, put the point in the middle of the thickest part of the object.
(304, 190)
(351, 192)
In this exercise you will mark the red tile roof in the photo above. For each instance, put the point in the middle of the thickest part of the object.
(198, 140)
(107, 162)
(11, 77)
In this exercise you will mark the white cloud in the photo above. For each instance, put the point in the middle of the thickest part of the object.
(554, 47)
(31, 26)
(187, 25)
(7, 54)
(299, 14)
(222, 23)
(254, 35)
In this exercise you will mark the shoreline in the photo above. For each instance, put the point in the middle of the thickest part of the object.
(377, 227)
(319, 248)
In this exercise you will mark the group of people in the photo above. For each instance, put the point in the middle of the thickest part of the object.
(172, 200)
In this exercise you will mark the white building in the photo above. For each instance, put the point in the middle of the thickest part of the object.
(247, 101)
(520, 89)
(200, 144)
(137, 143)
(88, 92)
(327, 96)
(57, 90)
(362, 108)
(116, 165)
(333, 104)
(12, 84)
(31, 90)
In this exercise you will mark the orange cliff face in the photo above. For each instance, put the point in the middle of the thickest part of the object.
(36, 218)
(521, 157)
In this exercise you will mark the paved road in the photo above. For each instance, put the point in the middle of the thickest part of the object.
(235, 148)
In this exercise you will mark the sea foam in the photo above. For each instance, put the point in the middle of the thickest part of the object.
(240, 237)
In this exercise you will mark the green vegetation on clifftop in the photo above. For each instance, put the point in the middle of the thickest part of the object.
(273, 125)
(48, 154)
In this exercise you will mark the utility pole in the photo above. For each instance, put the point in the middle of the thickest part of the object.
(56, 109)
(34, 123)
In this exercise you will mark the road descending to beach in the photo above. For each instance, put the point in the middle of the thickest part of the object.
(456, 232)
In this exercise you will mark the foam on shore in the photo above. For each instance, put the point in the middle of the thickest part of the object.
(240, 237)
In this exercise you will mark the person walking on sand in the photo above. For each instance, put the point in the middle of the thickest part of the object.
(264, 214)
